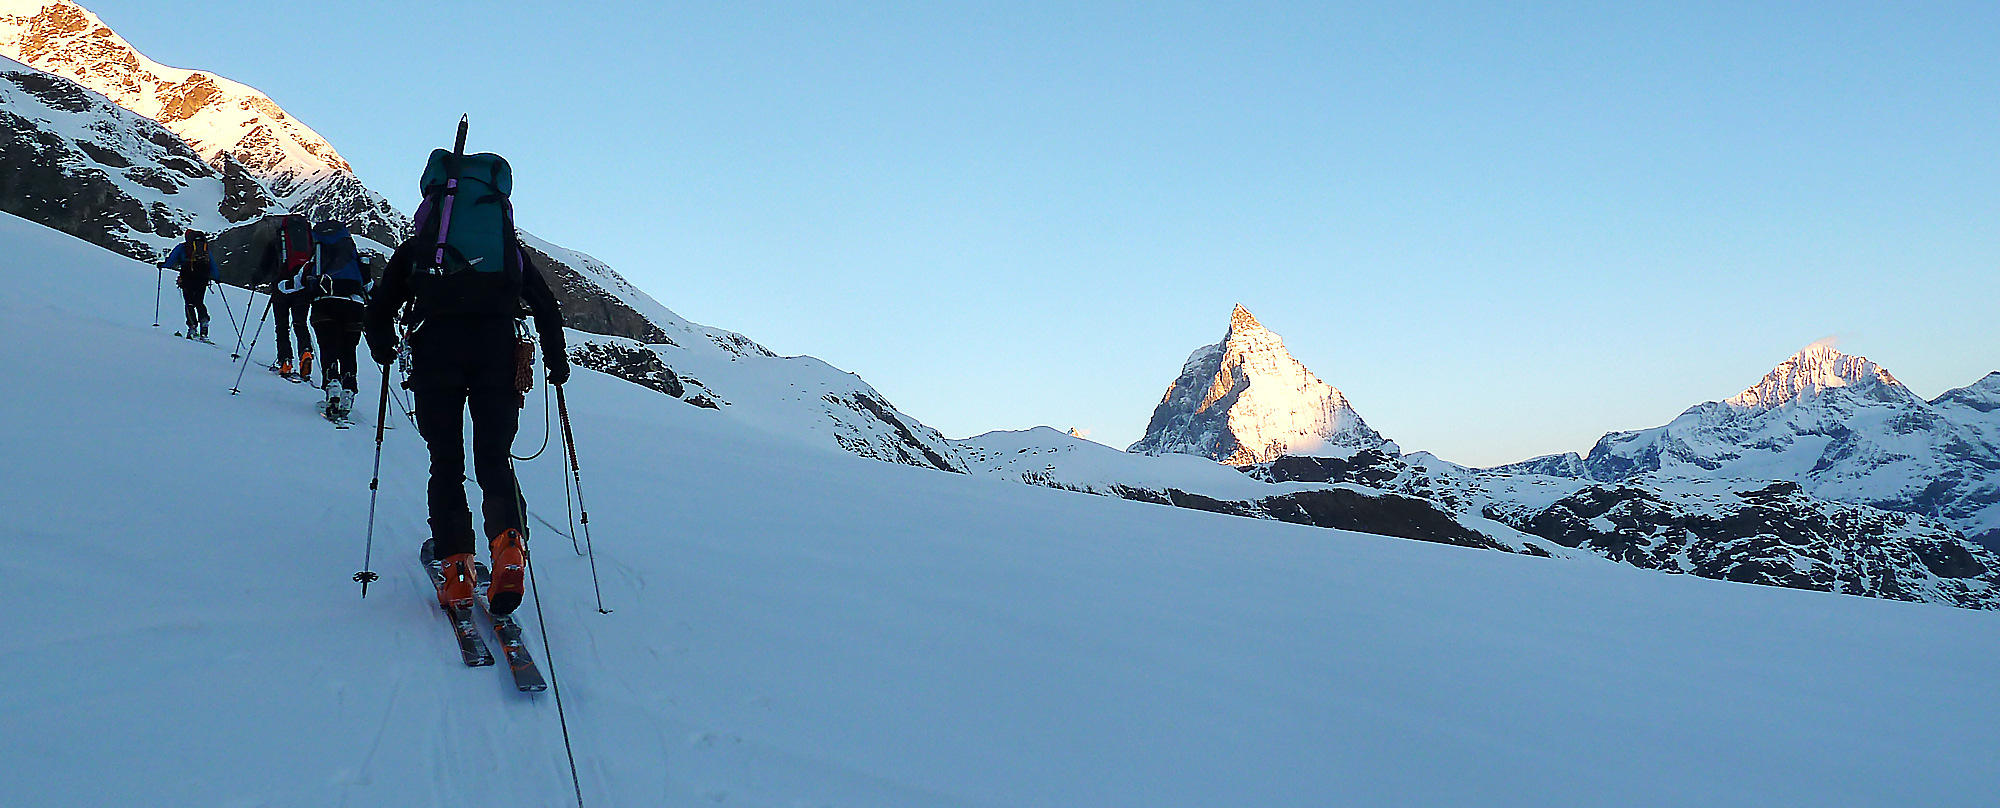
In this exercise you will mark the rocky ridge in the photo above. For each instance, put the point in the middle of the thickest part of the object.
(224, 121)
(72, 160)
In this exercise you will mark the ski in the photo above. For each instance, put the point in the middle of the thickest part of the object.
(339, 419)
(527, 677)
(290, 377)
(471, 647)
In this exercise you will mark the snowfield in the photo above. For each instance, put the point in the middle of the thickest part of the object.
(798, 627)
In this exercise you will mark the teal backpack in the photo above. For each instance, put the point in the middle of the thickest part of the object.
(470, 259)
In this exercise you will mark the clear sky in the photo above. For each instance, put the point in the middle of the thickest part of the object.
(1501, 229)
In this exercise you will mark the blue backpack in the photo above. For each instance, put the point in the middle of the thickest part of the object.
(337, 267)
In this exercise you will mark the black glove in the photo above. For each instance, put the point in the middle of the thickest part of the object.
(555, 367)
(382, 350)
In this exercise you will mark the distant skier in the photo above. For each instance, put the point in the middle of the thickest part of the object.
(466, 289)
(196, 266)
(338, 286)
(286, 264)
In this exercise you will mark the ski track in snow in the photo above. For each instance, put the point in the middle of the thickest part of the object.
(795, 627)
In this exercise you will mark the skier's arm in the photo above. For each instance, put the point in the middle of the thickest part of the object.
(175, 257)
(548, 320)
(391, 292)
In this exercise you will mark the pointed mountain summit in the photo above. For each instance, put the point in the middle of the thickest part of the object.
(1813, 370)
(224, 121)
(1246, 400)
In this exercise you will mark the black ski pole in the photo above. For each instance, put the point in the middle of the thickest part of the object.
(367, 576)
(159, 280)
(268, 303)
(229, 311)
(542, 623)
(235, 353)
(576, 475)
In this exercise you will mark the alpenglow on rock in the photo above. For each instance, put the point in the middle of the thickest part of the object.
(232, 126)
(1246, 400)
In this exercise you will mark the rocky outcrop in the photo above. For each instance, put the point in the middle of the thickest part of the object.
(75, 162)
(1775, 535)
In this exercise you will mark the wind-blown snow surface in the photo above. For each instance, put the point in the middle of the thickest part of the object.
(799, 627)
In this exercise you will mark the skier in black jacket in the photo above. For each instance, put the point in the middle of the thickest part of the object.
(196, 266)
(339, 285)
(463, 357)
(285, 269)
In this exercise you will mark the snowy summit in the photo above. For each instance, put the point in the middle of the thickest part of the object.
(1815, 369)
(1246, 400)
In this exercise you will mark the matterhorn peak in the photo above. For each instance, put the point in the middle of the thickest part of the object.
(1241, 320)
(1246, 400)
(1815, 369)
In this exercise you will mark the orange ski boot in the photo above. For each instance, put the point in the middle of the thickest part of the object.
(285, 368)
(456, 592)
(306, 364)
(510, 564)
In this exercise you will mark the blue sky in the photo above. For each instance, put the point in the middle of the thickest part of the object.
(1501, 231)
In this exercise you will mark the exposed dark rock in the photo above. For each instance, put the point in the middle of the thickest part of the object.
(1370, 467)
(1776, 536)
(588, 307)
(636, 365)
(909, 448)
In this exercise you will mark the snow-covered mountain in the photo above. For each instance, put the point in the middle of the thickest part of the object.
(1841, 427)
(1246, 400)
(1742, 526)
(72, 160)
(635, 338)
(1765, 533)
(226, 122)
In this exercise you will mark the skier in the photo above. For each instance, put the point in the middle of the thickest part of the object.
(197, 270)
(338, 286)
(286, 264)
(466, 288)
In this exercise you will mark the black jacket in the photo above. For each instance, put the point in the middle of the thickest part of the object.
(462, 350)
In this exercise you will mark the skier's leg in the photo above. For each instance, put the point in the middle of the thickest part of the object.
(191, 305)
(349, 337)
(281, 309)
(496, 416)
(299, 317)
(441, 420)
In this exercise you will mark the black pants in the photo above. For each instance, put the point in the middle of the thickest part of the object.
(291, 312)
(496, 414)
(195, 299)
(339, 325)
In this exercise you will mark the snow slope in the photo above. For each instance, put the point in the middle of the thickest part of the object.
(795, 627)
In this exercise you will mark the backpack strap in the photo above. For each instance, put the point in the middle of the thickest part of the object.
(450, 191)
